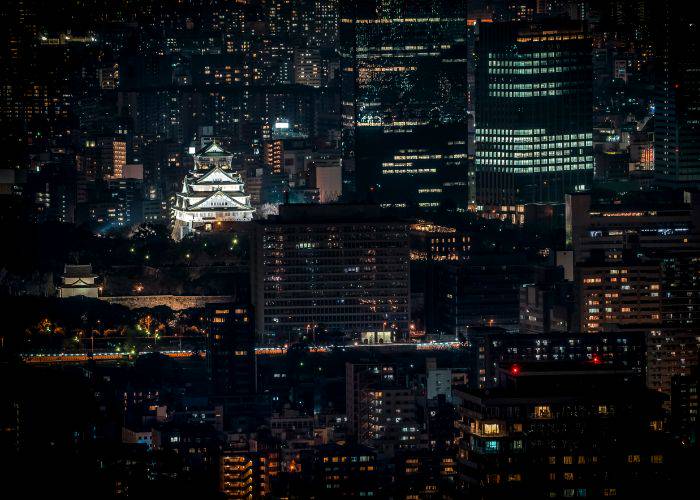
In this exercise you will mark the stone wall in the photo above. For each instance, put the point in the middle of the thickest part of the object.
(174, 302)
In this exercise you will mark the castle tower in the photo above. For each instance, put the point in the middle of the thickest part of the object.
(212, 194)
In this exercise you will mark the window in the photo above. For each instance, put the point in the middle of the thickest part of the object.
(491, 446)
(633, 459)
(657, 459)
(543, 411)
(568, 476)
(656, 425)
(568, 460)
(490, 429)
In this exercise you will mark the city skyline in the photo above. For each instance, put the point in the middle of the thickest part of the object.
(310, 249)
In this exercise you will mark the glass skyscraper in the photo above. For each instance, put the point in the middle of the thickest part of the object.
(404, 101)
(533, 113)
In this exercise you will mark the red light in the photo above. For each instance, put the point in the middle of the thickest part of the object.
(596, 359)
(515, 369)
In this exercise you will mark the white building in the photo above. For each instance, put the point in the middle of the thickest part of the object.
(78, 280)
(212, 194)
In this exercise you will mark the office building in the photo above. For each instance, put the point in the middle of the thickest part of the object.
(658, 223)
(637, 266)
(484, 290)
(488, 348)
(231, 365)
(404, 102)
(685, 406)
(533, 114)
(677, 97)
(320, 271)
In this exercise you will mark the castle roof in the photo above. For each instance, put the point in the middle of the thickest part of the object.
(212, 149)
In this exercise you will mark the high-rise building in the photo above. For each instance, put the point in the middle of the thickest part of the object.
(358, 377)
(230, 351)
(231, 367)
(488, 348)
(533, 113)
(322, 270)
(658, 223)
(685, 406)
(562, 430)
(637, 267)
(404, 101)
(485, 290)
(677, 101)
(382, 410)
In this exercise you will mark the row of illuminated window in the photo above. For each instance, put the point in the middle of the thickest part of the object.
(569, 155)
(535, 93)
(539, 71)
(537, 170)
(529, 86)
(494, 61)
(538, 158)
(509, 145)
(414, 171)
(583, 160)
(527, 135)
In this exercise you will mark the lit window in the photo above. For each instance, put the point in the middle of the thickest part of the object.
(490, 429)
(543, 412)
(491, 446)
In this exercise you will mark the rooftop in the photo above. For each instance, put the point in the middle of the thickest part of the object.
(78, 271)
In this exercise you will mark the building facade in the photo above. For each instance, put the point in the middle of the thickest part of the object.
(329, 270)
(533, 114)
(212, 194)
(404, 102)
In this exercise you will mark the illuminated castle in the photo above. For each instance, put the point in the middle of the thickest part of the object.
(212, 194)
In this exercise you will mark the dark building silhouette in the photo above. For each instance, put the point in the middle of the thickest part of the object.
(404, 72)
(230, 352)
(677, 102)
(562, 429)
